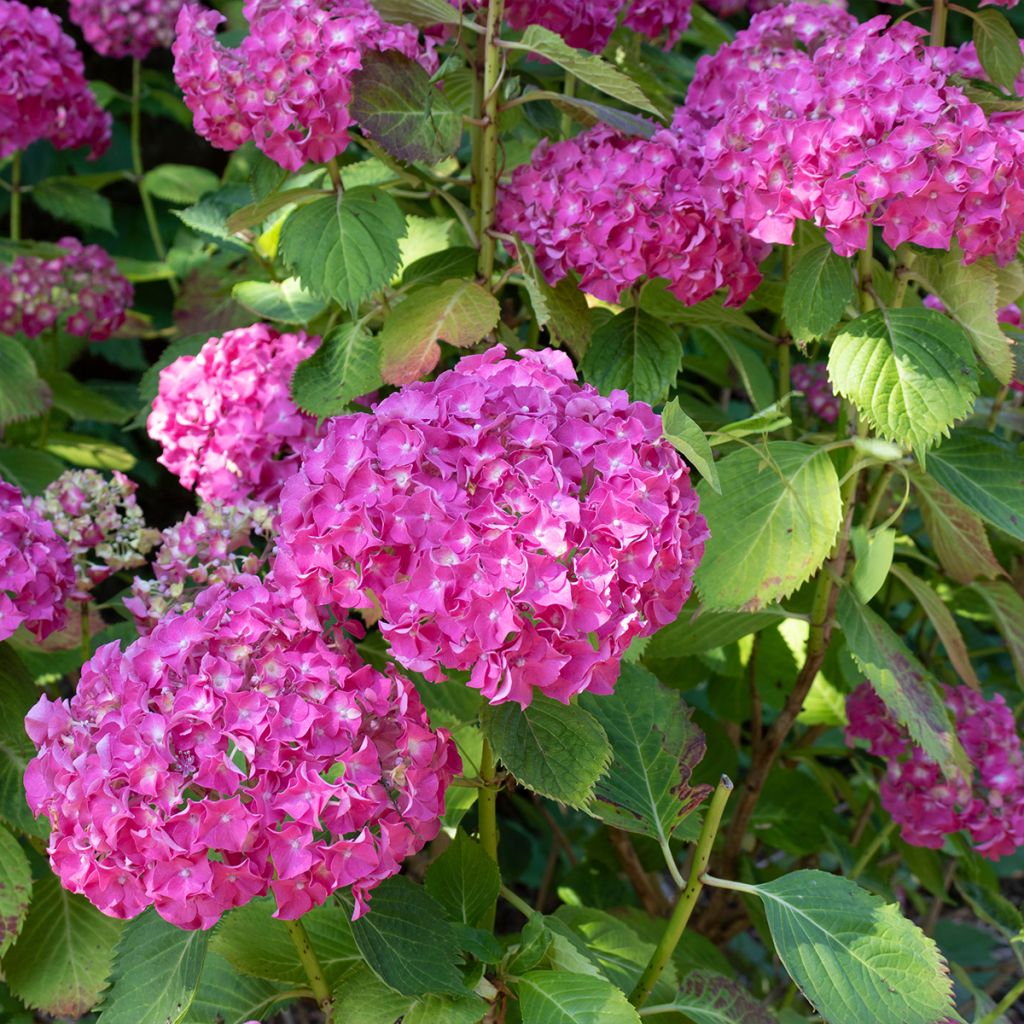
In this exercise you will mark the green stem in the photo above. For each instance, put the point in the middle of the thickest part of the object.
(568, 91)
(1004, 1004)
(687, 899)
(335, 174)
(16, 196)
(520, 904)
(785, 384)
(488, 185)
(939, 14)
(311, 965)
(722, 883)
(487, 811)
(865, 270)
(878, 492)
(869, 854)
(138, 168)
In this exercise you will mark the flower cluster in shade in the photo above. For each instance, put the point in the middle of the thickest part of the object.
(37, 576)
(213, 545)
(126, 28)
(228, 754)
(504, 519)
(812, 380)
(101, 522)
(43, 91)
(860, 127)
(727, 8)
(617, 209)
(225, 417)
(288, 85)
(81, 290)
(925, 803)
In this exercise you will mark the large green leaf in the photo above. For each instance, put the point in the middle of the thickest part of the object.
(906, 687)
(407, 940)
(65, 199)
(855, 958)
(344, 367)
(345, 246)
(910, 372)
(22, 393)
(464, 880)
(689, 635)
(17, 695)
(62, 959)
(772, 526)
(360, 997)
(285, 302)
(394, 102)
(987, 474)
(561, 308)
(657, 300)
(1007, 607)
(180, 183)
(688, 438)
(91, 452)
(458, 312)
(226, 997)
(418, 12)
(655, 749)
(555, 997)
(708, 998)
(156, 972)
(15, 889)
(557, 750)
(998, 47)
(635, 352)
(818, 291)
(81, 402)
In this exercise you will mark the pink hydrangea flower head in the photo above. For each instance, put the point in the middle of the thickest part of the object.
(660, 19)
(37, 576)
(504, 519)
(213, 545)
(126, 28)
(101, 522)
(926, 804)
(287, 87)
(81, 290)
(43, 87)
(812, 380)
(229, 754)
(617, 209)
(585, 24)
(225, 417)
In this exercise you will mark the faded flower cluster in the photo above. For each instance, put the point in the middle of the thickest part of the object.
(126, 28)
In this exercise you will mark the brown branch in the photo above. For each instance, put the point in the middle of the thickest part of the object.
(649, 892)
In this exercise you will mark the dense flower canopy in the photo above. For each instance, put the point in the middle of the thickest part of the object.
(926, 804)
(82, 290)
(505, 519)
(287, 87)
(37, 576)
(43, 91)
(225, 417)
(228, 754)
(618, 209)
(126, 28)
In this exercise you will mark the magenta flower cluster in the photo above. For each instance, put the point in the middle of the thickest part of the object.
(229, 754)
(867, 129)
(225, 417)
(504, 519)
(37, 576)
(82, 290)
(126, 28)
(617, 209)
(288, 86)
(812, 380)
(922, 800)
(43, 91)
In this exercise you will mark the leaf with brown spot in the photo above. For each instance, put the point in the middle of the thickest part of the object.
(1007, 608)
(15, 889)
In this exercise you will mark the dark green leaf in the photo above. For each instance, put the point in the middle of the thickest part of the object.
(67, 200)
(81, 402)
(1007, 607)
(689, 635)
(231, 998)
(15, 889)
(29, 469)
(561, 308)
(707, 998)
(464, 880)
(998, 47)
(22, 393)
(817, 293)
(180, 183)
(344, 367)
(438, 267)
(17, 695)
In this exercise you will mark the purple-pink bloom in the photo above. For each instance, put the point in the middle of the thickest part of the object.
(228, 754)
(126, 28)
(504, 519)
(812, 380)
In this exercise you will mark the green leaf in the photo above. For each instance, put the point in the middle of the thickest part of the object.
(156, 972)
(588, 113)
(587, 67)
(285, 302)
(854, 957)
(22, 393)
(764, 421)
(557, 750)
(211, 215)
(873, 559)
(17, 695)
(905, 686)
(407, 940)
(345, 246)
(660, 302)
(15, 889)
(29, 468)
(688, 438)
(458, 312)
(1007, 607)
(81, 402)
(957, 533)
(655, 748)
(62, 959)
(689, 635)
(394, 102)
(180, 183)
(554, 997)
(67, 200)
(438, 267)
(91, 452)
(772, 527)
(360, 997)
(992, 907)
(562, 308)
(418, 12)
(987, 474)
(818, 291)
(467, 1009)
(998, 47)
(635, 352)
(910, 372)
(749, 364)
(943, 622)
(971, 297)
(231, 998)
(344, 367)
(256, 213)
(708, 998)
(464, 880)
